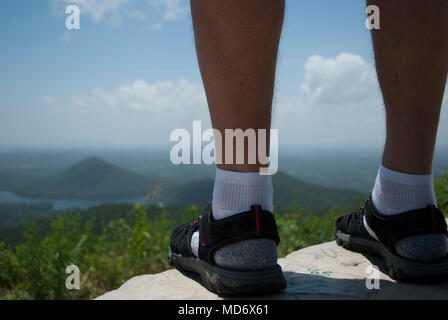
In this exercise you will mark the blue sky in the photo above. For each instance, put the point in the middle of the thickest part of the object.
(129, 76)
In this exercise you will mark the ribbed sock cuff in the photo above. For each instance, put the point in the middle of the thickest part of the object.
(396, 192)
(235, 192)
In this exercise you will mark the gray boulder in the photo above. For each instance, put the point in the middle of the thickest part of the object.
(324, 271)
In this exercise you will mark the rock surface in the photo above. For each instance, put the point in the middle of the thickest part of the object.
(324, 271)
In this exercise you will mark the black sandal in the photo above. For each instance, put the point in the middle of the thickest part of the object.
(351, 234)
(215, 234)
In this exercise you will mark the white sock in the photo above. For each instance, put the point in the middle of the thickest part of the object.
(396, 192)
(194, 242)
(235, 192)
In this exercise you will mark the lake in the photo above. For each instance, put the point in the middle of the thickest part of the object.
(65, 204)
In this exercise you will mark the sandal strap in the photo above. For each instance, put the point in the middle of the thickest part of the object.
(215, 234)
(391, 229)
(180, 241)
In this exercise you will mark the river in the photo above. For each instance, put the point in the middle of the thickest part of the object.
(65, 204)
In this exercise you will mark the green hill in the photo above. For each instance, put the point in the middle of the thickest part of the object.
(91, 178)
(94, 178)
(112, 243)
(196, 192)
(288, 191)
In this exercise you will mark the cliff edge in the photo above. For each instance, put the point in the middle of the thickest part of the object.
(324, 271)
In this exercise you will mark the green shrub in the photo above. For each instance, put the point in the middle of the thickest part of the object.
(441, 188)
(110, 249)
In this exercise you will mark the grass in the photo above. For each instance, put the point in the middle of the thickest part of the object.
(109, 252)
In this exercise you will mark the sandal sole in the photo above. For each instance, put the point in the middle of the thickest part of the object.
(397, 267)
(231, 282)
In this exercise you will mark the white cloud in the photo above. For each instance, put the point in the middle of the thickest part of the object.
(139, 114)
(157, 26)
(172, 9)
(164, 97)
(96, 9)
(113, 11)
(338, 102)
(444, 113)
(47, 99)
(346, 78)
(66, 37)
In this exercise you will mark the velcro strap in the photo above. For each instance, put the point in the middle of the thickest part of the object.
(390, 229)
(215, 234)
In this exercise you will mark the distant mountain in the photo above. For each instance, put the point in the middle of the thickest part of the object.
(94, 178)
(196, 192)
(90, 178)
(287, 191)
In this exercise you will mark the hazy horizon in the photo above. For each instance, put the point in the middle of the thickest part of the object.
(129, 77)
(341, 168)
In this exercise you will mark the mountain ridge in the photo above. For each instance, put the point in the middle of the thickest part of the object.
(288, 191)
(94, 178)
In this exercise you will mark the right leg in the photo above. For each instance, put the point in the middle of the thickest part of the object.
(237, 44)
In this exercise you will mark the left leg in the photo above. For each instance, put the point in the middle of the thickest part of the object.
(400, 221)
